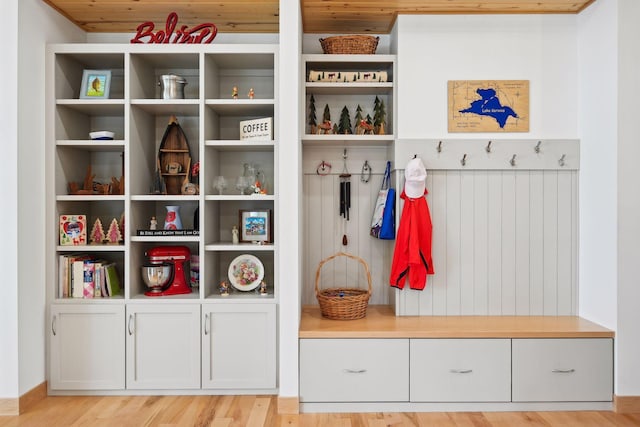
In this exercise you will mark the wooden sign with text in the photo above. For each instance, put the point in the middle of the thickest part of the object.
(202, 33)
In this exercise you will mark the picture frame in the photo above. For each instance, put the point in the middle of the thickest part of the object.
(95, 84)
(255, 226)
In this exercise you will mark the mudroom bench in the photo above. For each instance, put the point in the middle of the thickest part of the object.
(453, 363)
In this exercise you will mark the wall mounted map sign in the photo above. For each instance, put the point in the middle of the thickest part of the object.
(488, 105)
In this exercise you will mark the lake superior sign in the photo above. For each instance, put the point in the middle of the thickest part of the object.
(488, 105)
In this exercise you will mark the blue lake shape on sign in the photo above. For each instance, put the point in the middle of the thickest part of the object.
(491, 106)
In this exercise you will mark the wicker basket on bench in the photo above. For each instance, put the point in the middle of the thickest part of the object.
(343, 303)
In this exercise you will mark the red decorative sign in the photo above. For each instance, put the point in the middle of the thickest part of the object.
(203, 33)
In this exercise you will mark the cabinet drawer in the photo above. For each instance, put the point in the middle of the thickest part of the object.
(572, 369)
(354, 370)
(460, 370)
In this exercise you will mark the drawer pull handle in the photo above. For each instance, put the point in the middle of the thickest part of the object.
(461, 371)
(563, 371)
(354, 371)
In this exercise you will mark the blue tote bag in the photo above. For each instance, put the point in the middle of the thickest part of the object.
(383, 224)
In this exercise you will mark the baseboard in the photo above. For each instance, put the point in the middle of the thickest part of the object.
(288, 405)
(32, 397)
(626, 404)
(9, 407)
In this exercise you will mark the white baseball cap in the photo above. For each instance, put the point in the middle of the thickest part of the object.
(415, 175)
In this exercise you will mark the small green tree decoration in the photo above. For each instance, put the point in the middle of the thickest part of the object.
(345, 122)
(312, 115)
(326, 115)
(382, 118)
(358, 114)
(376, 113)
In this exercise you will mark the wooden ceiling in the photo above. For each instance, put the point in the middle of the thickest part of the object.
(262, 16)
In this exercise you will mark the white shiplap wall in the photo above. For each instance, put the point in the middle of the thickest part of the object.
(505, 237)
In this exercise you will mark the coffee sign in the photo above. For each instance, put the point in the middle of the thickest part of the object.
(257, 130)
(200, 34)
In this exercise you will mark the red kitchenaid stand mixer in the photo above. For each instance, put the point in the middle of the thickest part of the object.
(177, 256)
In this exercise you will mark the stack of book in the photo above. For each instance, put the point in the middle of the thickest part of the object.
(81, 276)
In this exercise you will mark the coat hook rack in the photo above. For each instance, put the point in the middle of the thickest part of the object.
(439, 147)
(512, 162)
(488, 147)
(463, 161)
(537, 147)
(561, 160)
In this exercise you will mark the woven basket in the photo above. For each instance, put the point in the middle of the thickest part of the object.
(343, 303)
(350, 44)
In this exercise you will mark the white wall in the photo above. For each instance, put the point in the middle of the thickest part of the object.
(597, 49)
(8, 176)
(435, 49)
(628, 203)
(39, 24)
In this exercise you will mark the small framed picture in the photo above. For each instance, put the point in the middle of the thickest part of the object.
(255, 226)
(95, 84)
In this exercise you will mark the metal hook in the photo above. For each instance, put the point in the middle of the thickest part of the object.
(513, 160)
(463, 161)
(561, 161)
(439, 147)
(366, 172)
(323, 168)
(488, 147)
(537, 147)
(345, 172)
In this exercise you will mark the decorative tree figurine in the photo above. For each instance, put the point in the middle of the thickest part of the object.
(113, 235)
(312, 115)
(97, 232)
(335, 128)
(376, 113)
(326, 115)
(382, 118)
(345, 122)
(358, 114)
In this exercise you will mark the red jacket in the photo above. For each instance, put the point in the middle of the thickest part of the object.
(412, 253)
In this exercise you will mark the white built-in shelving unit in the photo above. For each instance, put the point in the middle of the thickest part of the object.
(200, 341)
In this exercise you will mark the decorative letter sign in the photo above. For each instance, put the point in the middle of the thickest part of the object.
(203, 33)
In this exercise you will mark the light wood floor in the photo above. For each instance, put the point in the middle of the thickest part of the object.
(256, 411)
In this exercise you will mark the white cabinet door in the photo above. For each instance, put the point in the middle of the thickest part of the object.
(87, 347)
(239, 346)
(354, 370)
(571, 369)
(460, 370)
(163, 346)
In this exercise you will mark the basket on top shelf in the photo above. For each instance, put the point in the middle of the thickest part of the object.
(354, 44)
(343, 303)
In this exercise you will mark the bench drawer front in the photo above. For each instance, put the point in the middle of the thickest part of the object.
(354, 370)
(568, 369)
(460, 370)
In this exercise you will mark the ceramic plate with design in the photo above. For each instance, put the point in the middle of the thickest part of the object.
(246, 272)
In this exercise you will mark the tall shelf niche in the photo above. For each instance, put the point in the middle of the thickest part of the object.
(329, 79)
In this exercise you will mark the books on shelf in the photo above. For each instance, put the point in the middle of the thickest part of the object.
(157, 233)
(80, 276)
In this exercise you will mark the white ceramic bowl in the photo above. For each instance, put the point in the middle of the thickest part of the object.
(101, 135)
